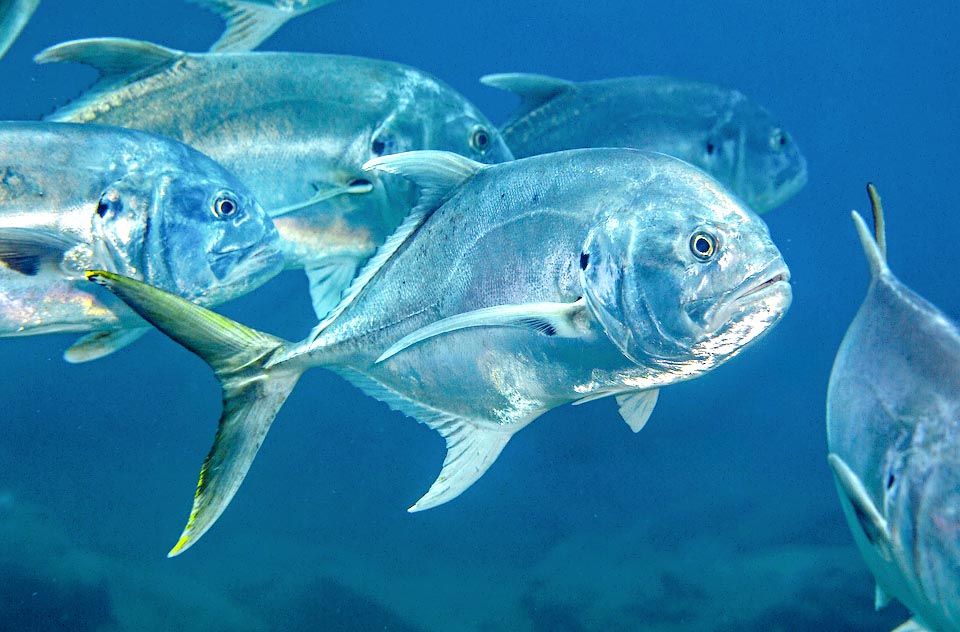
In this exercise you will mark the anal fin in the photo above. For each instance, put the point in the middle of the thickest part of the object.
(328, 279)
(472, 447)
(636, 406)
(471, 450)
(102, 343)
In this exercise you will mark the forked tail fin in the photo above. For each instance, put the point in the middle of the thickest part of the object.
(253, 389)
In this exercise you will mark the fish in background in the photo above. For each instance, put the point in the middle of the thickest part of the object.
(511, 289)
(714, 128)
(893, 432)
(75, 197)
(14, 15)
(250, 22)
(297, 129)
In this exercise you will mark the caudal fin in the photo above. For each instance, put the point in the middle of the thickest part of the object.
(253, 390)
(249, 23)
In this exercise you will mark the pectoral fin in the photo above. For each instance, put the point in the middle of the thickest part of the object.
(27, 250)
(563, 320)
(102, 343)
(328, 279)
(322, 194)
(635, 407)
(871, 521)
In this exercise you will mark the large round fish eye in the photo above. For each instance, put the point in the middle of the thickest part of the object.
(778, 139)
(225, 204)
(480, 138)
(383, 144)
(704, 245)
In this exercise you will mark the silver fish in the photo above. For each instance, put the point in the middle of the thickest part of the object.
(717, 129)
(14, 15)
(249, 22)
(893, 431)
(74, 197)
(297, 129)
(510, 290)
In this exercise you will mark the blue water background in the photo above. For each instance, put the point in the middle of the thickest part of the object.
(720, 515)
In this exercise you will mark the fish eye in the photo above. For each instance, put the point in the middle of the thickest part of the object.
(480, 138)
(225, 205)
(778, 139)
(704, 245)
(383, 144)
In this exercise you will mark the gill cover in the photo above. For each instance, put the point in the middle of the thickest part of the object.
(609, 277)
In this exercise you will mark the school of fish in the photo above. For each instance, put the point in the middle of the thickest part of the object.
(604, 242)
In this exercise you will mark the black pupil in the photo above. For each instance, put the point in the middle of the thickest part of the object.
(102, 208)
(702, 244)
(481, 139)
(378, 146)
(227, 207)
(783, 139)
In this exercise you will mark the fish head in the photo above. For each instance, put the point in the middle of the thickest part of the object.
(686, 275)
(209, 240)
(751, 152)
(428, 114)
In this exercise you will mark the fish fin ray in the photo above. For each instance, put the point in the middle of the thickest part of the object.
(534, 90)
(248, 24)
(471, 447)
(102, 343)
(328, 278)
(253, 390)
(27, 250)
(112, 57)
(550, 319)
(636, 407)
(118, 60)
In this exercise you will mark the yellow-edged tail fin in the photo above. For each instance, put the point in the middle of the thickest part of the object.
(252, 393)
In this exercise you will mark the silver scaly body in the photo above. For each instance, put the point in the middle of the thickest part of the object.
(297, 129)
(717, 129)
(893, 431)
(75, 197)
(509, 290)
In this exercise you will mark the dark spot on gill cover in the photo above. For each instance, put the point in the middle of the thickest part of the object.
(584, 260)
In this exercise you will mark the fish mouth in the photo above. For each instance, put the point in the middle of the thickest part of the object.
(779, 277)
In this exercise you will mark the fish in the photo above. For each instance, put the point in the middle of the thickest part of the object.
(14, 15)
(74, 197)
(250, 22)
(715, 128)
(297, 129)
(893, 435)
(509, 290)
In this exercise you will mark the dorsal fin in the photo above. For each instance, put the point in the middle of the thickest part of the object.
(113, 57)
(438, 174)
(875, 243)
(533, 90)
(118, 60)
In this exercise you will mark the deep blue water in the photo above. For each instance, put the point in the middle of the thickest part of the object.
(720, 515)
